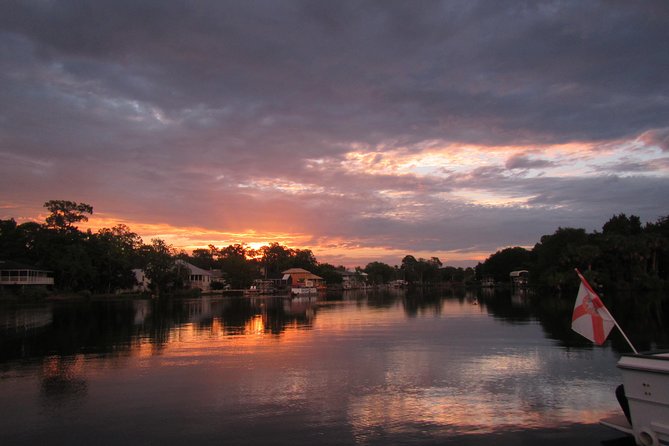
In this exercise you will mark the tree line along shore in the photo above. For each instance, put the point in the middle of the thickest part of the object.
(624, 255)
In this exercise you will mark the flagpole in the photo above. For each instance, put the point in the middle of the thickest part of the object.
(621, 331)
(608, 312)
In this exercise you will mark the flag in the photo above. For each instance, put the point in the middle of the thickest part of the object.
(591, 318)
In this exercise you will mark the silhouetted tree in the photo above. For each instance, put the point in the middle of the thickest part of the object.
(239, 271)
(379, 272)
(500, 264)
(113, 254)
(331, 273)
(160, 267)
(65, 213)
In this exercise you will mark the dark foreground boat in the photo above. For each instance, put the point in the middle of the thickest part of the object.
(646, 393)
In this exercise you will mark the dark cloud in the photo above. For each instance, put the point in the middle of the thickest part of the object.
(525, 162)
(369, 71)
(656, 165)
(205, 113)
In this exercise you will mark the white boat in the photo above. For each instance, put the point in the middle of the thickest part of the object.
(646, 386)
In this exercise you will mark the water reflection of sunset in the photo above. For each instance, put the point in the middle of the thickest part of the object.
(404, 384)
(366, 367)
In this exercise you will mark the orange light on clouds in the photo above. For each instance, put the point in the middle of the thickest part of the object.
(437, 159)
(336, 251)
(194, 237)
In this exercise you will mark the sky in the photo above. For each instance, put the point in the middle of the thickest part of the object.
(362, 130)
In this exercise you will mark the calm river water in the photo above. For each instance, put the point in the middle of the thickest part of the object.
(377, 368)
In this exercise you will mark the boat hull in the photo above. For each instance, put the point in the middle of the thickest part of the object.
(646, 380)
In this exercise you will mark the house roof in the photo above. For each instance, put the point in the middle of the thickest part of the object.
(294, 271)
(194, 269)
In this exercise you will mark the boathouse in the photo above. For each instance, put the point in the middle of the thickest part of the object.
(298, 277)
(519, 279)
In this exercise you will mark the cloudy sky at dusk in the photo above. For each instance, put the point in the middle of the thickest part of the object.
(363, 130)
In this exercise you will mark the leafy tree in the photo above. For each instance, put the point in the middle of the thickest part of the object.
(625, 251)
(31, 236)
(379, 272)
(65, 213)
(237, 269)
(409, 268)
(555, 257)
(500, 264)
(622, 225)
(457, 275)
(12, 242)
(67, 254)
(658, 243)
(160, 267)
(431, 269)
(275, 258)
(421, 270)
(205, 258)
(330, 273)
(114, 253)
(304, 258)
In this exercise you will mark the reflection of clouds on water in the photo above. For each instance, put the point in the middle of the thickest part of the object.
(365, 372)
(25, 320)
(62, 381)
(519, 389)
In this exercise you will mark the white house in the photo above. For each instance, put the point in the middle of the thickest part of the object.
(141, 281)
(14, 273)
(353, 280)
(198, 277)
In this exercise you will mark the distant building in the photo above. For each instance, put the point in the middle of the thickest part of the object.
(198, 277)
(141, 281)
(14, 273)
(519, 279)
(351, 280)
(298, 277)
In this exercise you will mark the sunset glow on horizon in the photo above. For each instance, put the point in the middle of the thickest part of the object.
(338, 252)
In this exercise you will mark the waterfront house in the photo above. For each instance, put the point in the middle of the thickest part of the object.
(14, 273)
(519, 279)
(141, 281)
(351, 280)
(298, 277)
(197, 277)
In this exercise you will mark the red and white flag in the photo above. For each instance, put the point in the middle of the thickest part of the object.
(591, 318)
